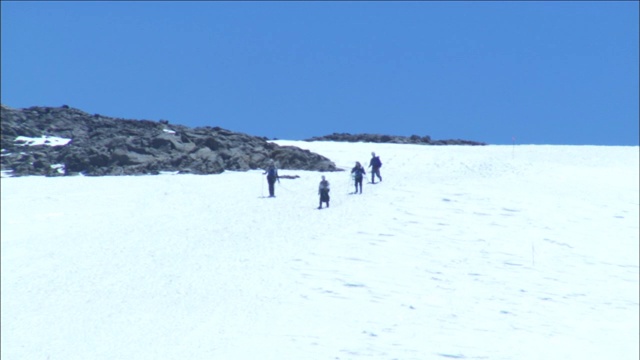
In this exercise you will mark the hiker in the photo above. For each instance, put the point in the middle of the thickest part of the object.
(272, 176)
(375, 164)
(323, 191)
(358, 172)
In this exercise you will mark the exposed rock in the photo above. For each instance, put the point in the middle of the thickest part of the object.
(392, 139)
(98, 145)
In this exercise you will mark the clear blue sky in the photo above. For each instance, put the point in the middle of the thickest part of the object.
(542, 72)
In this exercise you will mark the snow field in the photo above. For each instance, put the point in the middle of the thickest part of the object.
(495, 252)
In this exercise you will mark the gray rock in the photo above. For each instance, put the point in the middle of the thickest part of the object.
(102, 145)
(392, 139)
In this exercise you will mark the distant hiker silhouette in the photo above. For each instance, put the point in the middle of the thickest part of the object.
(323, 191)
(375, 164)
(272, 176)
(358, 173)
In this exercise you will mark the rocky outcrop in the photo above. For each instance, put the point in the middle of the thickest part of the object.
(391, 139)
(57, 141)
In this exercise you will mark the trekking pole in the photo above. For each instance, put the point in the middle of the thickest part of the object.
(282, 187)
(348, 182)
(533, 254)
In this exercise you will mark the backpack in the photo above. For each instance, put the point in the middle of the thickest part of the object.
(271, 172)
(377, 162)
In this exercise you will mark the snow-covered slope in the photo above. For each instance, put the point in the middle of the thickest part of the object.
(495, 252)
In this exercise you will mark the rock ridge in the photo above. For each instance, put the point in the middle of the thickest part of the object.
(59, 141)
(392, 139)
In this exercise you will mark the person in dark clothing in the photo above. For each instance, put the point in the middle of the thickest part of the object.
(375, 165)
(323, 191)
(358, 173)
(272, 176)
